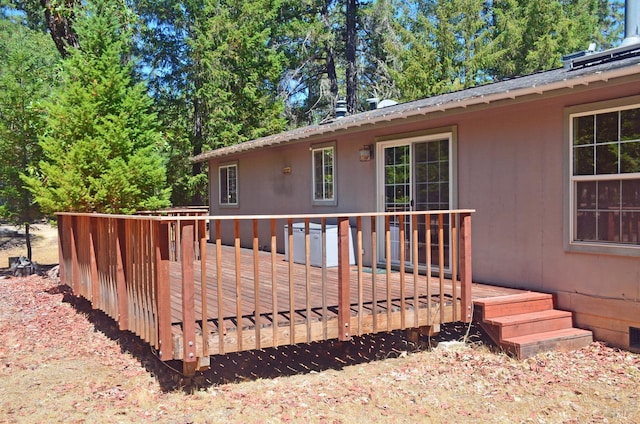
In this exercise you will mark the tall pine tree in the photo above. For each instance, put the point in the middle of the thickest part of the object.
(102, 147)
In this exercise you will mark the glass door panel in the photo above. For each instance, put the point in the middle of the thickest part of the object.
(416, 178)
(397, 198)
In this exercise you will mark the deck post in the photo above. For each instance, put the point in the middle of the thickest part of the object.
(344, 295)
(121, 279)
(190, 360)
(466, 304)
(163, 289)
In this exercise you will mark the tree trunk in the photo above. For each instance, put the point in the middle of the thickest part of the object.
(330, 61)
(351, 45)
(60, 23)
(27, 237)
(197, 140)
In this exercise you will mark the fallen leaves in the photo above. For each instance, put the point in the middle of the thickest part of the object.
(63, 362)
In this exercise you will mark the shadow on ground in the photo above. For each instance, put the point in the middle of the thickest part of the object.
(271, 362)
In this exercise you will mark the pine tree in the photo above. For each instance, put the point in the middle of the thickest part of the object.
(28, 68)
(102, 145)
(240, 70)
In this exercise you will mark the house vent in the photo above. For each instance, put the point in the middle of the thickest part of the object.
(631, 22)
(634, 338)
(341, 108)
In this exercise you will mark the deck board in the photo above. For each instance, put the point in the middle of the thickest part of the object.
(381, 313)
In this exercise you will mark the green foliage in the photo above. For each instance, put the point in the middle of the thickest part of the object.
(102, 147)
(224, 72)
(28, 71)
(530, 36)
(239, 71)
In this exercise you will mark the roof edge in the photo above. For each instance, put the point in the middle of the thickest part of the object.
(404, 111)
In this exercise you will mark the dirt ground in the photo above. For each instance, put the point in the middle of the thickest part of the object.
(61, 361)
(44, 239)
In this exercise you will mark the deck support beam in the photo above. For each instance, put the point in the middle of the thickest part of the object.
(163, 290)
(121, 280)
(344, 294)
(466, 304)
(190, 361)
(413, 334)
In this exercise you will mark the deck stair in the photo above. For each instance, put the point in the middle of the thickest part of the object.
(527, 323)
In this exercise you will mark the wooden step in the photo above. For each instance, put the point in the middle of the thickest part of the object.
(561, 340)
(532, 322)
(493, 307)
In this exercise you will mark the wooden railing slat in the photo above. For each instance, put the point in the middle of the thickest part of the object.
(403, 308)
(454, 263)
(274, 283)
(427, 224)
(325, 319)
(359, 276)
(374, 272)
(236, 235)
(344, 294)
(292, 305)
(441, 264)
(219, 289)
(465, 267)
(203, 290)
(256, 283)
(415, 261)
(387, 232)
(307, 250)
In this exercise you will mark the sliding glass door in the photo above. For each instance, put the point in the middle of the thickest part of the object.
(415, 175)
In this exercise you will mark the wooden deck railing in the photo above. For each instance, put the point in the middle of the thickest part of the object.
(159, 277)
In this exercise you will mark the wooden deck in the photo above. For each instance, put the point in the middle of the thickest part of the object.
(314, 302)
(159, 278)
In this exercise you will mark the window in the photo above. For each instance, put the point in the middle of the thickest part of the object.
(605, 177)
(228, 180)
(323, 163)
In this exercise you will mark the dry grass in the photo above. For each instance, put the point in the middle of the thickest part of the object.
(44, 239)
(60, 361)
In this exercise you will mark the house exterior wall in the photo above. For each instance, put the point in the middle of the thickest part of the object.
(512, 168)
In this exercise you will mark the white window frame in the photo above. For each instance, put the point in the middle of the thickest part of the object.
(571, 241)
(325, 200)
(227, 194)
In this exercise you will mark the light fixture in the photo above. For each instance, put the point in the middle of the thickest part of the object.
(286, 170)
(366, 153)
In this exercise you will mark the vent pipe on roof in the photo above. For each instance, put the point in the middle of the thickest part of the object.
(341, 108)
(631, 22)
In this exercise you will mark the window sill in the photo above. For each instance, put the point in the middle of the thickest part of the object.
(604, 248)
(324, 203)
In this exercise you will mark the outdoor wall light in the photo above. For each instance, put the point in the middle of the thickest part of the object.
(286, 170)
(366, 153)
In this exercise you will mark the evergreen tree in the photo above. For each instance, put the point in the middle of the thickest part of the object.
(102, 145)
(531, 36)
(240, 71)
(166, 30)
(27, 75)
